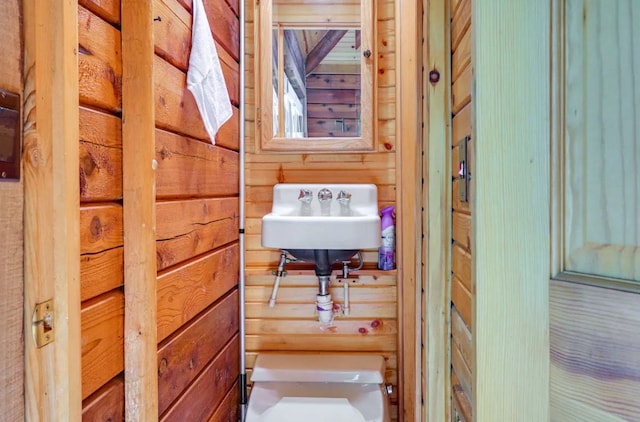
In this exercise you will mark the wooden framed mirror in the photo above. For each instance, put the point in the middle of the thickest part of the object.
(316, 78)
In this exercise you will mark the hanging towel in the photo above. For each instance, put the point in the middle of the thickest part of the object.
(204, 78)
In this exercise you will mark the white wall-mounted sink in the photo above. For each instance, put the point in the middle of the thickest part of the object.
(332, 224)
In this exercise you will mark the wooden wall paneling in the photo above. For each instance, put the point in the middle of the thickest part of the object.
(100, 228)
(172, 43)
(323, 175)
(594, 353)
(188, 168)
(462, 339)
(102, 340)
(51, 213)
(12, 403)
(228, 411)
(175, 107)
(461, 230)
(461, 91)
(106, 404)
(172, 38)
(138, 137)
(182, 357)
(292, 325)
(217, 378)
(109, 10)
(225, 26)
(100, 156)
(172, 33)
(101, 222)
(510, 239)
(460, 22)
(461, 265)
(189, 228)
(461, 298)
(187, 290)
(197, 223)
(462, 370)
(461, 57)
(460, 127)
(461, 407)
(101, 272)
(99, 62)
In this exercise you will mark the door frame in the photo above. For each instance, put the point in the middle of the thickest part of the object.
(51, 214)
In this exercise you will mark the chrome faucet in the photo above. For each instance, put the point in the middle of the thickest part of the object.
(344, 198)
(324, 195)
(305, 196)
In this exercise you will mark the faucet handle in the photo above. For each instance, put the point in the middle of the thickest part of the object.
(324, 195)
(305, 196)
(344, 197)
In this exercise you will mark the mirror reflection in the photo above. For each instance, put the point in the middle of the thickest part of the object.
(321, 91)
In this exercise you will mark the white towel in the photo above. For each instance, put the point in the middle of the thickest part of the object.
(204, 78)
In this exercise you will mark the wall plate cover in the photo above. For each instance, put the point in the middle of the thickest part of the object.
(10, 135)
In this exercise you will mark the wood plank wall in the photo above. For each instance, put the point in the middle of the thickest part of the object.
(333, 98)
(11, 236)
(462, 283)
(196, 219)
(101, 231)
(292, 324)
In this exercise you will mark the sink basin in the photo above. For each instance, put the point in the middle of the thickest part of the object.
(295, 225)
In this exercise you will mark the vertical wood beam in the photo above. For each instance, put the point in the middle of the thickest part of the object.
(52, 198)
(138, 162)
(409, 176)
(437, 220)
(510, 209)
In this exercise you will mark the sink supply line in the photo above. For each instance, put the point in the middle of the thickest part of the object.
(279, 274)
(345, 306)
(346, 268)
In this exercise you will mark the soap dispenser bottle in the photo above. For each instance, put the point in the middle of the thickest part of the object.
(386, 252)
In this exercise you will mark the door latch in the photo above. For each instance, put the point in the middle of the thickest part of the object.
(43, 332)
(463, 169)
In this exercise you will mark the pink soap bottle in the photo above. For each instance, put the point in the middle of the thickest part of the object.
(386, 252)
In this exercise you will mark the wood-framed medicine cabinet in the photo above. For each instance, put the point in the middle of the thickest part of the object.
(316, 76)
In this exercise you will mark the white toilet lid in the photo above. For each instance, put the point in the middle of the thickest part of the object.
(312, 409)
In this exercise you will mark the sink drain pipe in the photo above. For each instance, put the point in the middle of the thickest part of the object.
(324, 304)
(242, 380)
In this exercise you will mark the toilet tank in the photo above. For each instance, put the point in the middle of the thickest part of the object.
(334, 368)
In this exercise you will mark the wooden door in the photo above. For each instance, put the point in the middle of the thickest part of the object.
(595, 290)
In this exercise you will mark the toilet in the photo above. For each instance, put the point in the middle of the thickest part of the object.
(318, 388)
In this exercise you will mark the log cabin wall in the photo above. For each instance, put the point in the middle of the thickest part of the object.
(11, 236)
(292, 325)
(461, 282)
(328, 92)
(101, 229)
(196, 219)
